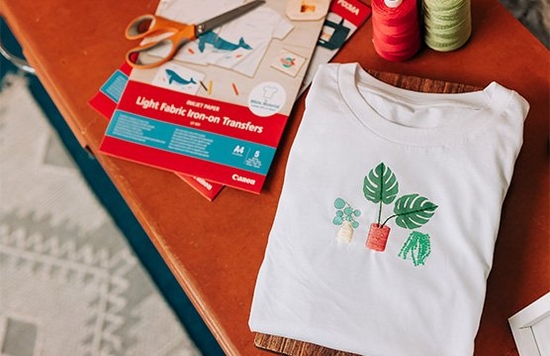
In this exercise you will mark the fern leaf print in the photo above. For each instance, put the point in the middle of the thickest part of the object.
(417, 248)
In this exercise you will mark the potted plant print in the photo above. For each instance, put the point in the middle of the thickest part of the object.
(345, 218)
(410, 211)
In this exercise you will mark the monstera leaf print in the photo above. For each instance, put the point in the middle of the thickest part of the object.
(412, 211)
(380, 185)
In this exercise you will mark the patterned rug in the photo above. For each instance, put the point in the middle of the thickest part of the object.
(69, 283)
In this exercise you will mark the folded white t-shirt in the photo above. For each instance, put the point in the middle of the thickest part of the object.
(433, 169)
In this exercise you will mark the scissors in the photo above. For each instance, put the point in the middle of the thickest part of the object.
(173, 34)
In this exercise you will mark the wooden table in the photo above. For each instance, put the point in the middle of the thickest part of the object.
(215, 248)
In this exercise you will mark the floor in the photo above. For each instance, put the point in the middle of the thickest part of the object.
(107, 195)
(533, 14)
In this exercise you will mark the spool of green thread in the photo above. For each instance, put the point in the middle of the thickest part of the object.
(448, 24)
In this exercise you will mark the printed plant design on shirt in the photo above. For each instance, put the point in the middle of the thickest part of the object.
(410, 211)
(345, 218)
(417, 247)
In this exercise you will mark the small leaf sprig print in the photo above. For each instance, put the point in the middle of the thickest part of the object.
(345, 217)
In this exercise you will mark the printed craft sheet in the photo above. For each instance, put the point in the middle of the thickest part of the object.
(105, 102)
(343, 19)
(220, 117)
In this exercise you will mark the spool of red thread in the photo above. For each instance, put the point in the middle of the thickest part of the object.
(396, 29)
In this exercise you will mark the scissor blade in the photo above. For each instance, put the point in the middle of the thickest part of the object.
(227, 16)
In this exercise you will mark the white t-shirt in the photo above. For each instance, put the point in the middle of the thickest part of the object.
(435, 169)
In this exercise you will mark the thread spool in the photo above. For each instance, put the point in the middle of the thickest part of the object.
(448, 24)
(396, 29)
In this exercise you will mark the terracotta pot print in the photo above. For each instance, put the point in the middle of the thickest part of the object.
(378, 237)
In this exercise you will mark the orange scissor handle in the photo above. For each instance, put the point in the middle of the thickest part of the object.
(171, 34)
